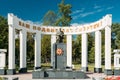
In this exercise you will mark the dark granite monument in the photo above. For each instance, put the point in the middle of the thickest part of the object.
(59, 70)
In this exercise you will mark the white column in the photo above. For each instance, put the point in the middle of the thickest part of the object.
(98, 51)
(84, 52)
(69, 51)
(107, 47)
(11, 55)
(23, 51)
(53, 40)
(38, 50)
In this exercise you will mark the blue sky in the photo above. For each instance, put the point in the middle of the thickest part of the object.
(83, 11)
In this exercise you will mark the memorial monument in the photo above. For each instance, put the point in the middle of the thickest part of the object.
(59, 70)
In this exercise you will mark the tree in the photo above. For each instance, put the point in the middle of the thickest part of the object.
(49, 18)
(91, 48)
(116, 35)
(46, 49)
(64, 14)
(3, 33)
(76, 50)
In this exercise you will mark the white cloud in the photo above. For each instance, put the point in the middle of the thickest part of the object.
(78, 11)
(83, 14)
(99, 10)
(110, 8)
(86, 14)
(96, 7)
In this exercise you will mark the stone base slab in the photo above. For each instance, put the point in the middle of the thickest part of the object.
(11, 71)
(22, 70)
(58, 74)
(98, 70)
(116, 72)
(108, 72)
(2, 71)
(35, 68)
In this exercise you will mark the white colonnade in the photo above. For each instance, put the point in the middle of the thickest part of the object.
(16, 23)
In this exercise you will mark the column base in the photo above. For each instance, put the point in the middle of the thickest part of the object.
(35, 68)
(51, 67)
(22, 70)
(2, 71)
(68, 67)
(84, 69)
(98, 70)
(11, 71)
(108, 72)
(116, 72)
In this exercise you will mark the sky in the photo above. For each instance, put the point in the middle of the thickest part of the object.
(83, 11)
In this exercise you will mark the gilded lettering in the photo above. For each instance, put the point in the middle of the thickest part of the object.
(96, 25)
(67, 30)
(48, 30)
(38, 28)
(23, 24)
(43, 29)
(20, 23)
(80, 29)
(34, 27)
(28, 26)
(63, 30)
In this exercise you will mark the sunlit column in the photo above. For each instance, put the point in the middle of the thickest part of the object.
(108, 50)
(53, 40)
(69, 51)
(23, 36)
(98, 68)
(38, 50)
(11, 55)
(84, 52)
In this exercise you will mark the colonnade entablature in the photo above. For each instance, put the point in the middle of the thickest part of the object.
(16, 23)
(80, 29)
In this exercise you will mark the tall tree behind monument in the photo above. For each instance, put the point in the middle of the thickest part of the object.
(64, 17)
(50, 18)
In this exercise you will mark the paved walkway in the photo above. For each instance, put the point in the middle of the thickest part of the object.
(28, 76)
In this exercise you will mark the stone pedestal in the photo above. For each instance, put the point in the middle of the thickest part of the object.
(59, 58)
(59, 70)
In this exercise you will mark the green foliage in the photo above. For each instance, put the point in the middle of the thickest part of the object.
(30, 47)
(3, 33)
(64, 14)
(76, 50)
(116, 35)
(46, 49)
(49, 18)
(91, 48)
